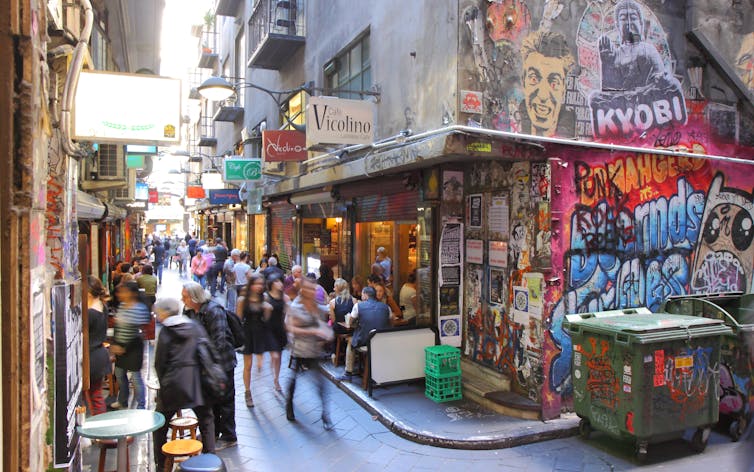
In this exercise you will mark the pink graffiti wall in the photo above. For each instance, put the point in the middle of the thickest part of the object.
(637, 228)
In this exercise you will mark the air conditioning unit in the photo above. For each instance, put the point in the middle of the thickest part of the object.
(106, 170)
(127, 191)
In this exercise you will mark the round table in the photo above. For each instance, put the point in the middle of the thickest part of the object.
(119, 424)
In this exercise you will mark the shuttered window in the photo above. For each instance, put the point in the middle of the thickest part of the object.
(282, 233)
(391, 207)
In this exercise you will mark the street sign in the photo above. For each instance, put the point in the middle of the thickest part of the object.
(239, 169)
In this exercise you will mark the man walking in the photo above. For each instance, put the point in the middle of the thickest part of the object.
(199, 307)
(221, 253)
(179, 375)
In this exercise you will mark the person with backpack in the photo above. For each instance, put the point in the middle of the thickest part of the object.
(199, 306)
(179, 373)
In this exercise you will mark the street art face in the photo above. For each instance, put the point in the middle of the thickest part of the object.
(546, 61)
(725, 254)
(634, 90)
(745, 61)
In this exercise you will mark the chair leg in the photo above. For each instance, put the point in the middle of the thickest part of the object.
(102, 458)
(169, 464)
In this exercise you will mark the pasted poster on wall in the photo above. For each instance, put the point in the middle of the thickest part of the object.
(452, 186)
(474, 212)
(450, 270)
(497, 220)
(66, 312)
(627, 71)
(498, 282)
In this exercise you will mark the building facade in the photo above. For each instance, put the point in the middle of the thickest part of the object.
(530, 160)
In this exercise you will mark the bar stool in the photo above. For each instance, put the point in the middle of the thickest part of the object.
(107, 444)
(202, 463)
(363, 352)
(175, 451)
(180, 425)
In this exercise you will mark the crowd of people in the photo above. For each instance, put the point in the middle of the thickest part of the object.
(276, 309)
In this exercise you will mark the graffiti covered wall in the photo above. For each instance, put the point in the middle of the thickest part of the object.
(638, 228)
(612, 71)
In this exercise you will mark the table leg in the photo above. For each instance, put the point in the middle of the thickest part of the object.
(122, 455)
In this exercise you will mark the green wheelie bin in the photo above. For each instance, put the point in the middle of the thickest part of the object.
(645, 377)
(736, 309)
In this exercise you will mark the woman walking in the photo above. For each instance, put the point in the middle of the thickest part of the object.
(99, 359)
(309, 333)
(199, 267)
(279, 302)
(254, 313)
(128, 344)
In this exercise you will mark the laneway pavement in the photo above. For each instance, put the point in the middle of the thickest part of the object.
(370, 434)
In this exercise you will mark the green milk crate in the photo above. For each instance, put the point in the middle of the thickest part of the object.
(442, 388)
(442, 360)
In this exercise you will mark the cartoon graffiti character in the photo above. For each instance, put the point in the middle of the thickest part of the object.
(724, 256)
(745, 61)
(546, 62)
(638, 90)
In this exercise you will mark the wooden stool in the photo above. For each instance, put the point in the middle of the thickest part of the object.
(179, 448)
(341, 340)
(105, 444)
(180, 425)
(203, 463)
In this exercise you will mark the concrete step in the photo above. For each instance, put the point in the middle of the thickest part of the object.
(491, 389)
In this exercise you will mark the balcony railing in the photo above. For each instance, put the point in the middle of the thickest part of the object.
(277, 30)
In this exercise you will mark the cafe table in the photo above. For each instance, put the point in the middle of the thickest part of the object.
(119, 425)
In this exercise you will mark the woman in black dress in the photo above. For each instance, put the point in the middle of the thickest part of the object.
(255, 313)
(99, 358)
(276, 324)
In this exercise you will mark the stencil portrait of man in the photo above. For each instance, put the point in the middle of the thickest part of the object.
(546, 62)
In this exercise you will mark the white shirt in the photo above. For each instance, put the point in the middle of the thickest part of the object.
(241, 269)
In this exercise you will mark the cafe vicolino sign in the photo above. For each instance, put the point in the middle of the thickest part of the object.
(333, 120)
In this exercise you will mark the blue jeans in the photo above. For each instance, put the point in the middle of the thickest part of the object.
(158, 271)
(123, 392)
(201, 280)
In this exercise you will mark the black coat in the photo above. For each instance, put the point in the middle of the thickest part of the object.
(99, 358)
(372, 315)
(177, 366)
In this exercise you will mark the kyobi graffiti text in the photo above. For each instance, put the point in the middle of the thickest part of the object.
(725, 254)
(634, 90)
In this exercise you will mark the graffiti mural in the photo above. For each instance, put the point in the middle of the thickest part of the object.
(725, 253)
(627, 72)
(546, 63)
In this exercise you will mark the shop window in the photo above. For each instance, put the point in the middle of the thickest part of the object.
(351, 70)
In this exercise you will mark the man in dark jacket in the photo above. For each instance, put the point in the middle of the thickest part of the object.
(159, 256)
(371, 314)
(221, 253)
(200, 307)
(179, 374)
(192, 245)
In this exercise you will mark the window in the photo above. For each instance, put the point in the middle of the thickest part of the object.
(293, 110)
(350, 72)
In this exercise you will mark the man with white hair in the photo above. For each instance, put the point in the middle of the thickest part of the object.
(290, 287)
(180, 381)
(199, 306)
(272, 268)
(387, 265)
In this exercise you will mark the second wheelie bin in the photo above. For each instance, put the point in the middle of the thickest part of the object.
(645, 377)
(736, 309)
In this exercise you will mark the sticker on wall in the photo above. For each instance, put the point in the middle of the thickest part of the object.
(450, 327)
(497, 220)
(474, 251)
(534, 281)
(498, 286)
(452, 186)
(498, 253)
(474, 211)
(520, 309)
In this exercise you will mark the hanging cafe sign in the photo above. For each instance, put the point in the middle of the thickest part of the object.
(240, 169)
(333, 120)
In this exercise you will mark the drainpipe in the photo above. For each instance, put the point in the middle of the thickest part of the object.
(72, 81)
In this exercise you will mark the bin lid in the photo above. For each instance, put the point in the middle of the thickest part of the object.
(651, 327)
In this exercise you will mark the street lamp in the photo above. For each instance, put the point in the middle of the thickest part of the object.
(218, 89)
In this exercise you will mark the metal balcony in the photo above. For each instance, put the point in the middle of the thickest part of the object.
(277, 30)
(228, 113)
(227, 7)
